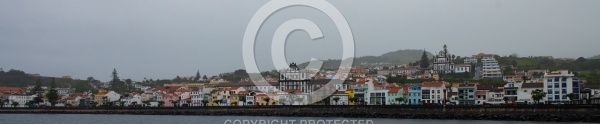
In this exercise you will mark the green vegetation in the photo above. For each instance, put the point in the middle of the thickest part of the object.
(19, 78)
(120, 86)
(538, 95)
(52, 94)
(595, 57)
(391, 58)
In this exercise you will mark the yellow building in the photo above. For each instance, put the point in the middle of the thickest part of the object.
(99, 97)
(260, 99)
(350, 93)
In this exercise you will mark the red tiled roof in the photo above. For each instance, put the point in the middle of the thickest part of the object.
(432, 84)
(13, 89)
(405, 90)
(480, 93)
(361, 81)
(233, 88)
(394, 90)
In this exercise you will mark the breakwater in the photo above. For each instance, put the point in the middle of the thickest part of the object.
(572, 113)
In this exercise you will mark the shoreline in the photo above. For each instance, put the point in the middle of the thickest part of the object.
(534, 114)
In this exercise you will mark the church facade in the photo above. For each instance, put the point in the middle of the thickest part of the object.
(443, 62)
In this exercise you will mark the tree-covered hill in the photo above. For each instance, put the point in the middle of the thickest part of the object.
(21, 79)
(390, 58)
(595, 57)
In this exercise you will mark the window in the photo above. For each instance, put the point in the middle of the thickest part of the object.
(555, 85)
(564, 84)
(575, 84)
(549, 85)
(550, 91)
(524, 90)
(556, 96)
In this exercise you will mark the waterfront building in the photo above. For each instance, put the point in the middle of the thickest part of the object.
(393, 93)
(433, 92)
(21, 100)
(466, 94)
(511, 92)
(341, 96)
(294, 78)
(496, 96)
(557, 84)
(414, 97)
(524, 93)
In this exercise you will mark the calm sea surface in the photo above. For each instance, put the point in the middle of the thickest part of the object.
(168, 119)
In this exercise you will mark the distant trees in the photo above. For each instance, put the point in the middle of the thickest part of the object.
(120, 86)
(424, 63)
(38, 91)
(197, 78)
(52, 94)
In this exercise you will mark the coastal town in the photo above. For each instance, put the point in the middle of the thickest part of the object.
(443, 79)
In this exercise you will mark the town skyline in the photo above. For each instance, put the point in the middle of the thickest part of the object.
(157, 39)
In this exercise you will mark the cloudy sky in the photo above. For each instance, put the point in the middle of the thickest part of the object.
(163, 39)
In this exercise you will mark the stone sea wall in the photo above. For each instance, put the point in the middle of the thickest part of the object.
(575, 113)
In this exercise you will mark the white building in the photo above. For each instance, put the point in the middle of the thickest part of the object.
(558, 84)
(470, 60)
(433, 92)
(293, 78)
(342, 98)
(112, 96)
(524, 93)
(21, 99)
(462, 68)
(443, 62)
(490, 66)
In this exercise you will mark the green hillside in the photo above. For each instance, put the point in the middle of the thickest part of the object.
(595, 57)
(391, 58)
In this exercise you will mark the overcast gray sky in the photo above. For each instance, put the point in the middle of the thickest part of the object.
(163, 39)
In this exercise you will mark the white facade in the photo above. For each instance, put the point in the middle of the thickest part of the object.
(436, 93)
(342, 101)
(112, 96)
(558, 84)
(21, 99)
(524, 95)
(491, 69)
(442, 62)
(463, 68)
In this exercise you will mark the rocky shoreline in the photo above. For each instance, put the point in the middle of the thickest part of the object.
(391, 113)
